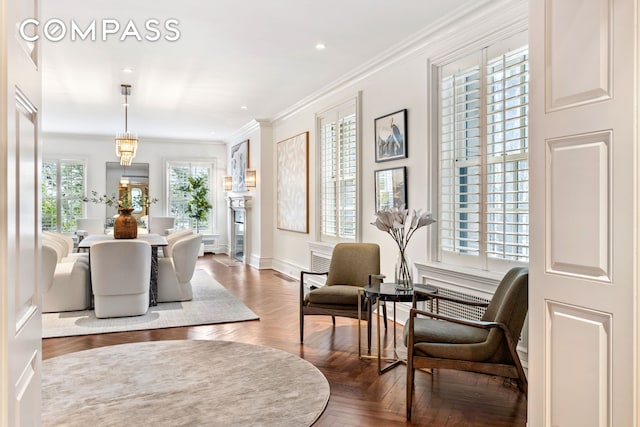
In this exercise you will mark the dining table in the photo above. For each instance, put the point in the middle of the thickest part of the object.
(155, 240)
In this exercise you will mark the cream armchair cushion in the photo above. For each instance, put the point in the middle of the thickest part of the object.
(120, 274)
(172, 238)
(175, 272)
(66, 286)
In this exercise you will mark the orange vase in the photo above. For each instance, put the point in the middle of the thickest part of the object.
(125, 226)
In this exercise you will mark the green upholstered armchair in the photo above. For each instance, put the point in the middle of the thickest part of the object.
(351, 267)
(487, 346)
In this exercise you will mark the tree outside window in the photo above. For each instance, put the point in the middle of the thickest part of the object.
(63, 185)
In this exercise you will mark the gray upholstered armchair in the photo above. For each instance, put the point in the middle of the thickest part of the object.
(487, 346)
(351, 267)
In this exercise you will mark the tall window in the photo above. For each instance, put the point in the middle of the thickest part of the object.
(484, 160)
(338, 173)
(62, 192)
(178, 173)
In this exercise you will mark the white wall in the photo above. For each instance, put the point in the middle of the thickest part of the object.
(97, 150)
(402, 85)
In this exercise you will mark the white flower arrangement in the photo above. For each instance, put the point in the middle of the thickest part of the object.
(400, 224)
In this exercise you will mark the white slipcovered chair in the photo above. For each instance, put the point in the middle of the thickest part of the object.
(87, 226)
(175, 272)
(66, 285)
(120, 274)
(161, 225)
(172, 238)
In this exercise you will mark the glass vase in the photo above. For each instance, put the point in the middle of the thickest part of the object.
(403, 272)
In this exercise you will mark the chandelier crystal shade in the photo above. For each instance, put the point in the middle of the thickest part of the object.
(126, 143)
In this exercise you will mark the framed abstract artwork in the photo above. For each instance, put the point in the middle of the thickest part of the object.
(391, 188)
(239, 164)
(391, 136)
(292, 156)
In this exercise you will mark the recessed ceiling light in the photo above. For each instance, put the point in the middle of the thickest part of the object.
(320, 46)
(127, 70)
(244, 107)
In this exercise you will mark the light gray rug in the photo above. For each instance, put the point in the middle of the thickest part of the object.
(211, 303)
(182, 383)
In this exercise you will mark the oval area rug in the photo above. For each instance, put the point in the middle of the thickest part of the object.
(182, 383)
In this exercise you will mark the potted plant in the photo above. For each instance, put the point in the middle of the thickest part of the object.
(198, 206)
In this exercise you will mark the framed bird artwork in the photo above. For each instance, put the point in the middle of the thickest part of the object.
(391, 136)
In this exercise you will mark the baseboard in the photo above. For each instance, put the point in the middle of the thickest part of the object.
(287, 268)
(260, 263)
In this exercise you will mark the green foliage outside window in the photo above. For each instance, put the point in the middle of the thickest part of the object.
(179, 195)
(62, 192)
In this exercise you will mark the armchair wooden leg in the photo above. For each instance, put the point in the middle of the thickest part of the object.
(333, 319)
(301, 304)
(410, 386)
(369, 317)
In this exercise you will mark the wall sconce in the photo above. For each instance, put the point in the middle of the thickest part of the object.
(227, 183)
(250, 178)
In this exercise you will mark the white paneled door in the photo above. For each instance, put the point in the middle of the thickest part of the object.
(584, 213)
(20, 320)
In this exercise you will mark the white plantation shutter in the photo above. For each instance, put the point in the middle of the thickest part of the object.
(460, 158)
(63, 184)
(507, 157)
(483, 105)
(338, 173)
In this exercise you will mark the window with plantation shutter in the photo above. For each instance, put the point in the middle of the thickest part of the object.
(484, 161)
(63, 183)
(338, 173)
(178, 174)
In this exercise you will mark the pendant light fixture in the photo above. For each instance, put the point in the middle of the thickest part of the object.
(126, 143)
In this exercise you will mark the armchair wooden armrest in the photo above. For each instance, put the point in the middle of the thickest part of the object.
(468, 322)
(312, 273)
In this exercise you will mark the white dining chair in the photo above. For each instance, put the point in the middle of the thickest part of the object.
(120, 276)
(175, 272)
(161, 224)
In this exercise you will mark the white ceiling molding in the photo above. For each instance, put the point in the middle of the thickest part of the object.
(242, 133)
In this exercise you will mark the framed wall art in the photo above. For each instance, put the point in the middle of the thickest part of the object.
(293, 183)
(239, 164)
(391, 136)
(391, 188)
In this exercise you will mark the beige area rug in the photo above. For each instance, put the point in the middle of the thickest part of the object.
(211, 303)
(182, 383)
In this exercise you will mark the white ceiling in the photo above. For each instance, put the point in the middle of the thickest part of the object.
(230, 53)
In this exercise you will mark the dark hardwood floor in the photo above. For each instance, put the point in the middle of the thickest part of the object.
(359, 396)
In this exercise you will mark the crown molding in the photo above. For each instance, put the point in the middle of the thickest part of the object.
(460, 25)
(254, 125)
